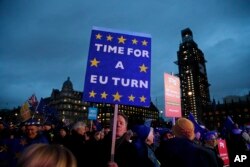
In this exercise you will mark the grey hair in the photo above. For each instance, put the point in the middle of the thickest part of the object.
(79, 124)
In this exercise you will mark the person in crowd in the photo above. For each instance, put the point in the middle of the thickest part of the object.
(77, 144)
(33, 134)
(88, 136)
(181, 151)
(15, 146)
(102, 134)
(98, 136)
(237, 144)
(235, 149)
(49, 131)
(197, 138)
(210, 142)
(87, 129)
(106, 130)
(94, 143)
(166, 135)
(125, 152)
(62, 137)
(46, 155)
(144, 145)
(246, 138)
(21, 130)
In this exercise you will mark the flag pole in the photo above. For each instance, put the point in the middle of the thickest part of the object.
(173, 119)
(37, 105)
(35, 109)
(114, 133)
(91, 125)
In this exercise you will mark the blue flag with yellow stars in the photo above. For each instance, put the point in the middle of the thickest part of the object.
(118, 68)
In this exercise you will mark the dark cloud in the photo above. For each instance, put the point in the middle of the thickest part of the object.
(44, 42)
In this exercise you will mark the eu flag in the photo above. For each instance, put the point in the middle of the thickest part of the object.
(197, 127)
(118, 68)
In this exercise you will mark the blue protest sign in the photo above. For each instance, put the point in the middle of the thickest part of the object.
(118, 68)
(92, 113)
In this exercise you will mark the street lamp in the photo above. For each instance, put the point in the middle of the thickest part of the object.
(161, 114)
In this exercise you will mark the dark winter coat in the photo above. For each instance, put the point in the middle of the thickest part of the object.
(125, 152)
(181, 152)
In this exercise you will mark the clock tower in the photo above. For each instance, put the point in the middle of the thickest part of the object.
(195, 96)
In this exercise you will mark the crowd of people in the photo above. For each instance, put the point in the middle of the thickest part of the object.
(32, 144)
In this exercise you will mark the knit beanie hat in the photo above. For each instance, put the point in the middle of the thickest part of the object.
(184, 128)
(209, 136)
(142, 131)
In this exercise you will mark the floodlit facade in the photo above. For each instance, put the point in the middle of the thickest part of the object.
(71, 107)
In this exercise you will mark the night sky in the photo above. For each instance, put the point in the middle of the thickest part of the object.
(42, 42)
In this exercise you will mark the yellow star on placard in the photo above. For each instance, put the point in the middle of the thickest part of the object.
(121, 40)
(144, 43)
(131, 97)
(134, 41)
(109, 38)
(98, 36)
(143, 99)
(94, 62)
(143, 68)
(92, 94)
(117, 96)
(104, 95)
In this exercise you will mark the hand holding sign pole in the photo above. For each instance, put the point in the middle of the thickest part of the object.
(114, 133)
(118, 70)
